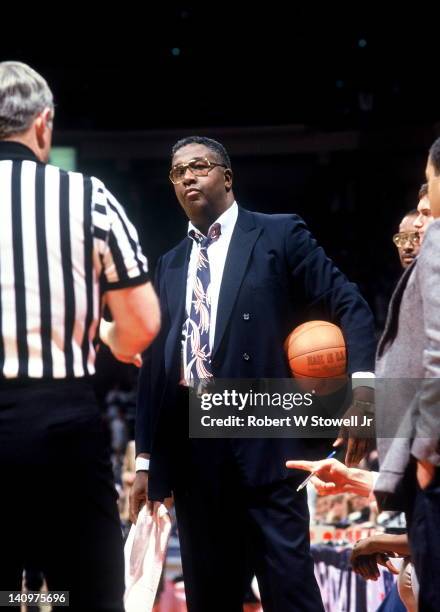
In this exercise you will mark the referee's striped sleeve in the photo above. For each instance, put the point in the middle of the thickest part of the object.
(122, 262)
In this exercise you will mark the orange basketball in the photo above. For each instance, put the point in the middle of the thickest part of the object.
(316, 350)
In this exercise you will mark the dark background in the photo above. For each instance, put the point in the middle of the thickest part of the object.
(326, 112)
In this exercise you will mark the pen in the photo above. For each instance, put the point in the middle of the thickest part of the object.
(309, 477)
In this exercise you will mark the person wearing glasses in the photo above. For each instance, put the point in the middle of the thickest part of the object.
(408, 410)
(407, 239)
(230, 293)
(412, 229)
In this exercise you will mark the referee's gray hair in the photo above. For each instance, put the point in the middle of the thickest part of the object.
(23, 94)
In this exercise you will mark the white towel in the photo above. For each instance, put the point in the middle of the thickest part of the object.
(144, 552)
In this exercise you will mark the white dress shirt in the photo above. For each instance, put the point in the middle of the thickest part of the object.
(217, 252)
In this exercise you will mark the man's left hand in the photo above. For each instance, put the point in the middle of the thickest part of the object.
(425, 473)
(361, 440)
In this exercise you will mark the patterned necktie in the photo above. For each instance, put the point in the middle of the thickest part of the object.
(197, 352)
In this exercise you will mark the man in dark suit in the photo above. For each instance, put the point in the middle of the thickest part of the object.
(236, 502)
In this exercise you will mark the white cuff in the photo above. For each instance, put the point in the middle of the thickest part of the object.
(362, 379)
(142, 464)
(375, 478)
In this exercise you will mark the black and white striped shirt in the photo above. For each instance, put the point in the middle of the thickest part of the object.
(64, 239)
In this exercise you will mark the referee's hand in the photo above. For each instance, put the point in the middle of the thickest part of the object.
(105, 331)
(133, 359)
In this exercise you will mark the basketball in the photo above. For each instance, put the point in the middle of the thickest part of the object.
(316, 350)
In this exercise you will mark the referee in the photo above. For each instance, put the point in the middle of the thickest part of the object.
(66, 247)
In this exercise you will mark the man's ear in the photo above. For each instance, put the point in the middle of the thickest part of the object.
(229, 176)
(42, 123)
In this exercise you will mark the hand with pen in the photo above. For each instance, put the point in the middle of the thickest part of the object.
(330, 477)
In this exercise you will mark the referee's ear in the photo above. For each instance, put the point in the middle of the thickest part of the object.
(43, 133)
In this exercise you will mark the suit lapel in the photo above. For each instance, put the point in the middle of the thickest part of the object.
(392, 321)
(242, 242)
(175, 282)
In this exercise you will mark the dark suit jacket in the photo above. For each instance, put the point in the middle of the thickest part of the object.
(278, 276)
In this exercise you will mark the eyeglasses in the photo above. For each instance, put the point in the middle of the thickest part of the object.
(402, 238)
(200, 166)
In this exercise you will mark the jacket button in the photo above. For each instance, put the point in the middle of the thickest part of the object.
(246, 316)
(246, 356)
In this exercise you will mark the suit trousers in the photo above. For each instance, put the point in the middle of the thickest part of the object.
(229, 530)
(58, 503)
